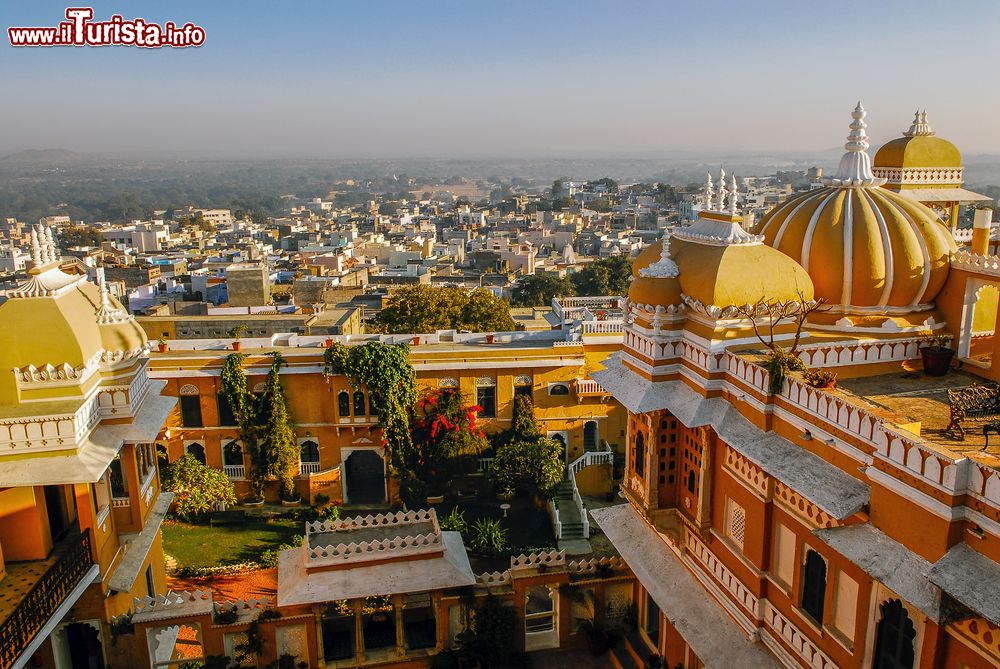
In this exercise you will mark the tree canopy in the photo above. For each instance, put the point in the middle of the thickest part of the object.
(538, 289)
(197, 488)
(425, 309)
(527, 461)
(607, 276)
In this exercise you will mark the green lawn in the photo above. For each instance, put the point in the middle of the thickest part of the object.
(204, 546)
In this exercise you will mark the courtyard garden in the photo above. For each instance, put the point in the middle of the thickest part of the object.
(200, 545)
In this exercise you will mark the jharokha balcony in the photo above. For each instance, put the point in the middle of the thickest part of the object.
(35, 592)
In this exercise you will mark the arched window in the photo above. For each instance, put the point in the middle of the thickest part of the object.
(559, 389)
(309, 451)
(894, 638)
(486, 396)
(359, 403)
(814, 586)
(640, 455)
(232, 454)
(344, 403)
(590, 435)
(198, 451)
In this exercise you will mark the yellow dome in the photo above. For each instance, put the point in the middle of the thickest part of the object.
(918, 147)
(921, 151)
(864, 247)
(56, 319)
(719, 265)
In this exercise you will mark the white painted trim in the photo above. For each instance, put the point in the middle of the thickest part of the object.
(92, 575)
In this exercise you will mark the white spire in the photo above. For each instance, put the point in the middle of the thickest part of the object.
(856, 165)
(665, 267)
(734, 196)
(36, 248)
(50, 245)
(107, 313)
(920, 127)
(709, 193)
(721, 201)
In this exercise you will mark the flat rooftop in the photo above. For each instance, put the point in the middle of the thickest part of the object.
(371, 533)
(906, 397)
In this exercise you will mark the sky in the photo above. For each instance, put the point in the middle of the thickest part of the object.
(444, 78)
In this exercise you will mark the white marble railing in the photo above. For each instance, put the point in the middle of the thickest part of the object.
(603, 327)
(306, 468)
(234, 472)
(377, 520)
(589, 387)
(554, 518)
(962, 235)
(483, 465)
(361, 551)
(859, 352)
(121, 502)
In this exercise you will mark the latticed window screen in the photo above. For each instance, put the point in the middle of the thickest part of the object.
(736, 522)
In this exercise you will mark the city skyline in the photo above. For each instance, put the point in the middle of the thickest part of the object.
(450, 80)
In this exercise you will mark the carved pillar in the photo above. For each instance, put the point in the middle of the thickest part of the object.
(320, 651)
(397, 610)
(705, 487)
(359, 631)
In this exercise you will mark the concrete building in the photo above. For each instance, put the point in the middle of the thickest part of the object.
(248, 285)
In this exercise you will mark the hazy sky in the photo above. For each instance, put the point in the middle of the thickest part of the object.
(505, 78)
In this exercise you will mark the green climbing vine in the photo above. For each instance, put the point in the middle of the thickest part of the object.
(385, 370)
(265, 425)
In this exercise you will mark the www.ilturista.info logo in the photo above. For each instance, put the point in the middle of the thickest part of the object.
(80, 30)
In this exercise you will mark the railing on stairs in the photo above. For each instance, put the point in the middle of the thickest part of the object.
(554, 517)
(605, 457)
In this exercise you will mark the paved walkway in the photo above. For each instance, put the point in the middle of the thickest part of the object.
(575, 658)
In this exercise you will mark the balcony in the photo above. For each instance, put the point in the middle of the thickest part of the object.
(26, 608)
(590, 388)
(306, 468)
(234, 472)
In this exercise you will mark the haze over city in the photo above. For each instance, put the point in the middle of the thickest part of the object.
(525, 79)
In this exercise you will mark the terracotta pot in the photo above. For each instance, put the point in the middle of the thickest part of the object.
(435, 499)
(163, 348)
(489, 339)
(329, 343)
(293, 502)
(936, 359)
(254, 504)
(236, 345)
(415, 341)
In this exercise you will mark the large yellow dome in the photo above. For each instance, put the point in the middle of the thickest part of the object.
(864, 247)
(918, 147)
(867, 249)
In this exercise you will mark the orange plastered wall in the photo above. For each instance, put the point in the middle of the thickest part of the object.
(24, 525)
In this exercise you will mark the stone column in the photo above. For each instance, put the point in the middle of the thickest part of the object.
(359, 631)
(320, 651)
(397, 610)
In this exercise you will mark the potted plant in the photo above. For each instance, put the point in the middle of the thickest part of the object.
(490, 338)
(253, 502)
(415, 341)
(162, 344)
(329, 342)
(598, 639)
(820, 378)
(236, 332)
(936, 359)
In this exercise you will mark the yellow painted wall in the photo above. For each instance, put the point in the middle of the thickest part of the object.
(24, 524)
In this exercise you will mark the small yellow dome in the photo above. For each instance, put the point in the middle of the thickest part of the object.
(738, 272)
(865, 247)
(918, 152)
(918, 147)
(61, 320)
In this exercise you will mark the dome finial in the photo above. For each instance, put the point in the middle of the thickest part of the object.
(721, 201)
(36, 247)
(856, 165)
(920, 127)
(50, 245)
(709, 192)
(665, 267)
(734, 196)
(107, 313)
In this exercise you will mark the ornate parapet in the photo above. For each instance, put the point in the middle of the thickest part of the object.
(372, 538)
(538, 560)
(172, 605)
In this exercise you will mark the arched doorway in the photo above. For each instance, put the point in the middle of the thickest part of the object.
(83, 643)
(894, 638)
(364, 477)
(590, 435)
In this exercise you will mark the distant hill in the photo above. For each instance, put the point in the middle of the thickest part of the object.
(45, 156)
